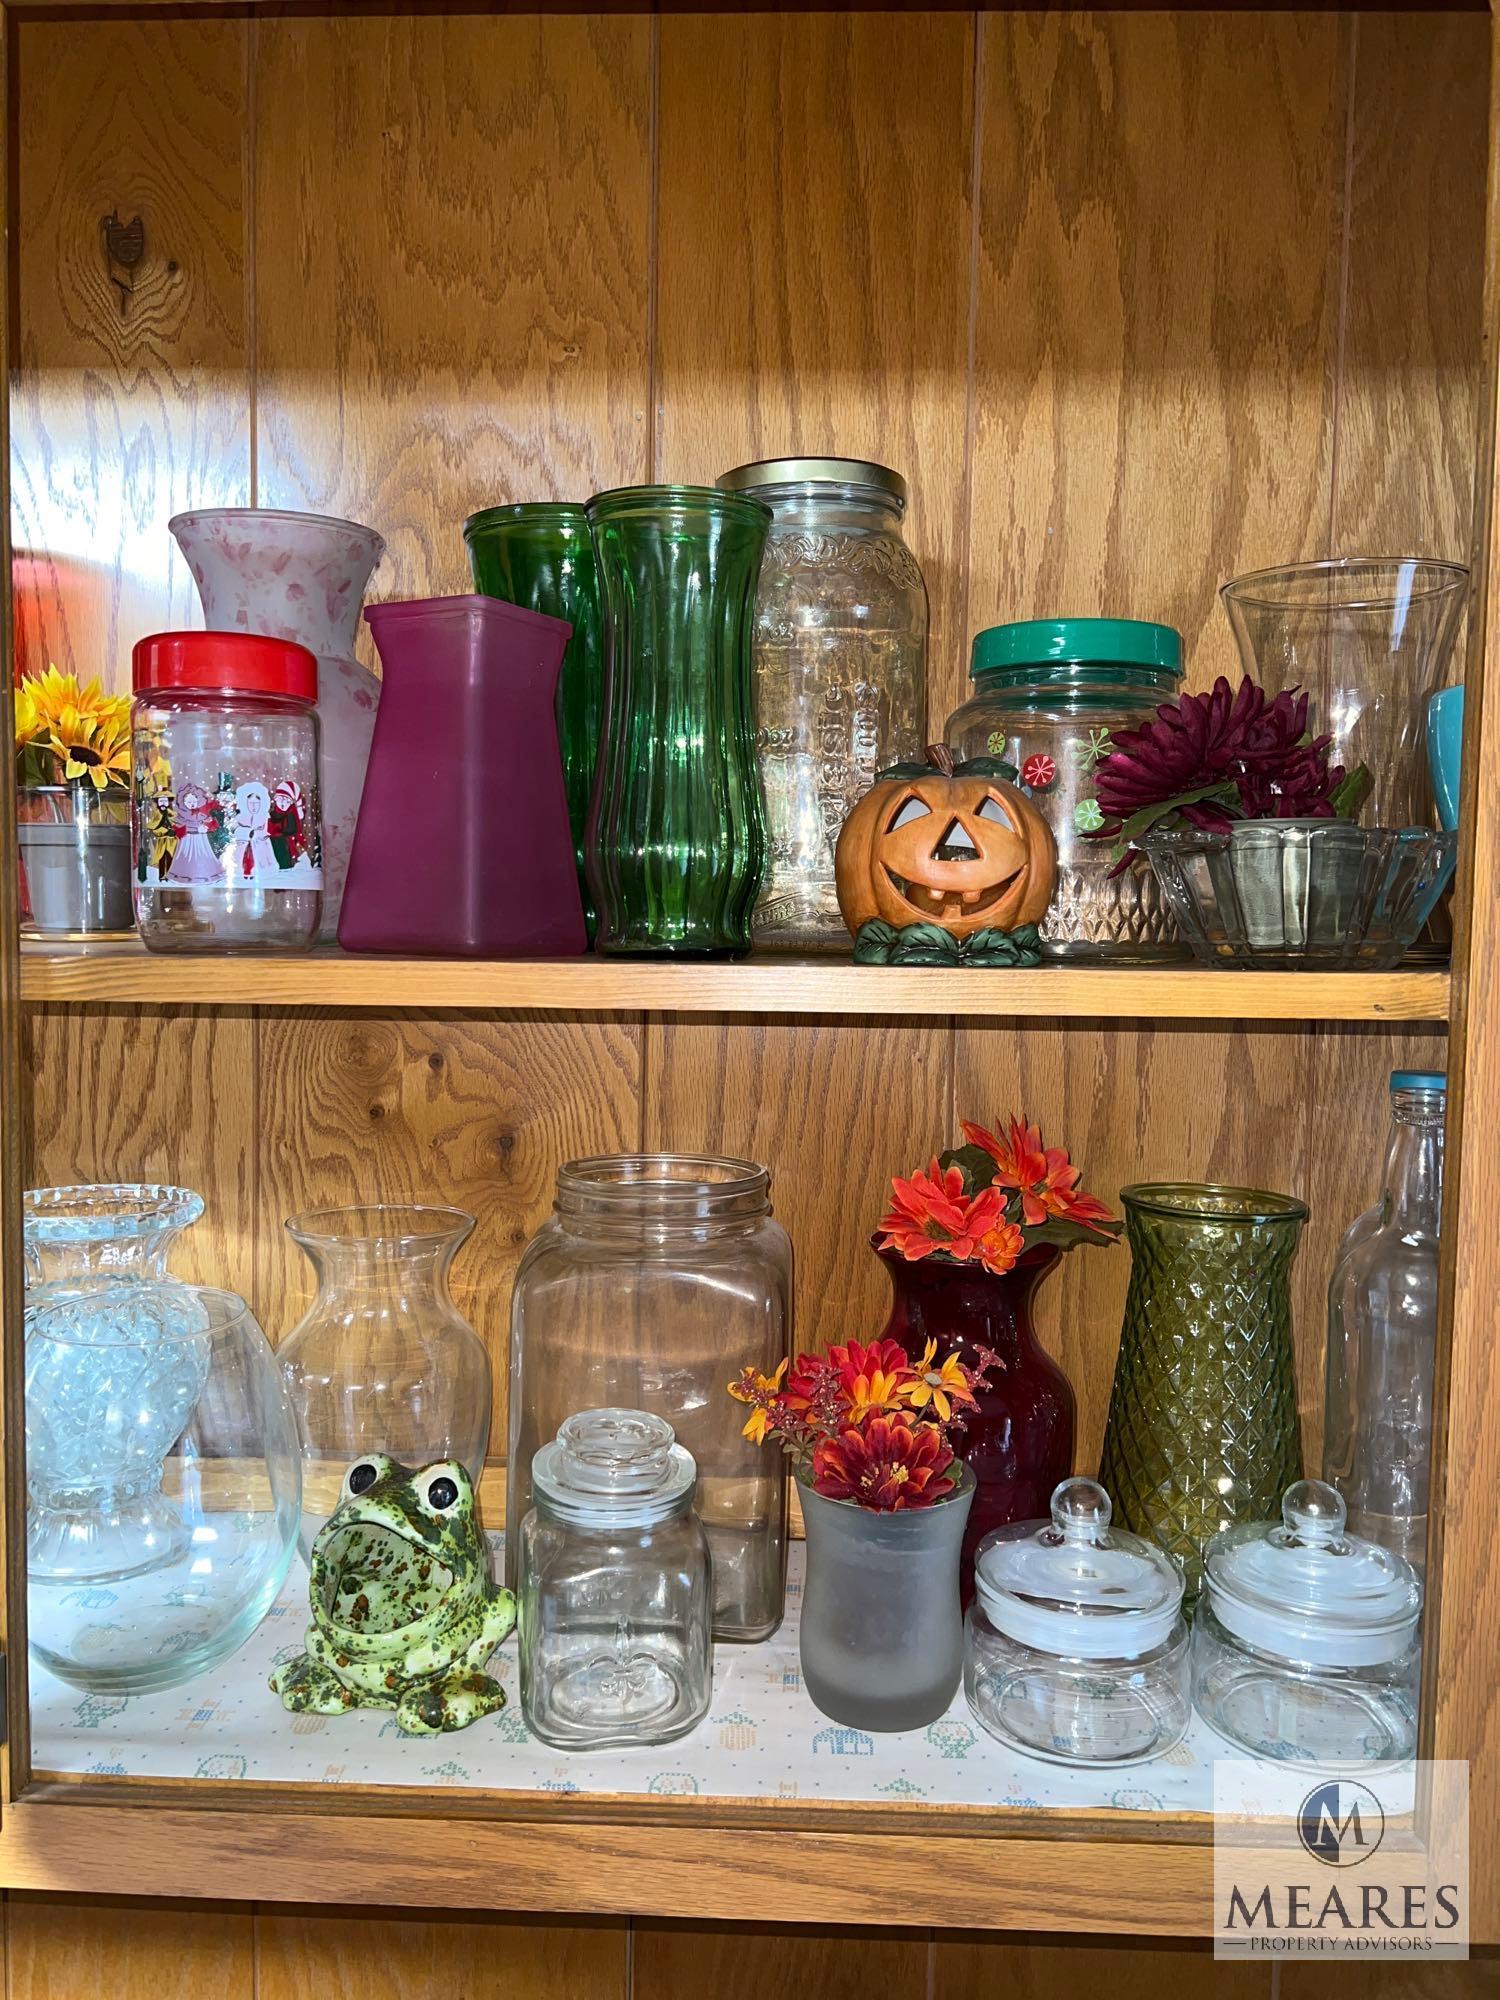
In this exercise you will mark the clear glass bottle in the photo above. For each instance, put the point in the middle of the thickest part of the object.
(227, 832)
(1075, 1650)
(615, 1591)
(657, 1278)
(382, 1360)
(840, 672)
(1306, 1642)
(1049, 693)
(1382, 1332)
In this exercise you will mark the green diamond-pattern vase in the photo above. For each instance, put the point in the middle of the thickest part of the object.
(1203, 1426)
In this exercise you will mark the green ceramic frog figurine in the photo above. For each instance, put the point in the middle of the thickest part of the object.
(404, 1614)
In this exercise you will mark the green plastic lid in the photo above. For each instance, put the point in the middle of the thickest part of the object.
(1015, 652)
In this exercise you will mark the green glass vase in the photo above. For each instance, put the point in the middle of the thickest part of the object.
(675, 843)
(541, 555)
(1202, 1428)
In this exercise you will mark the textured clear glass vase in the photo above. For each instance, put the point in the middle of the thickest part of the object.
(164, 1480)
(1202, 1430)
(382, 1360)
(96, 1505)
(675, 841)
(882, 1641)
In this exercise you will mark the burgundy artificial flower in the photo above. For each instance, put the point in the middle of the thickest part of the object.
(1244, 750)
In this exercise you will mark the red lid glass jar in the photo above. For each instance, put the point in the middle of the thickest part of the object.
(227, 841)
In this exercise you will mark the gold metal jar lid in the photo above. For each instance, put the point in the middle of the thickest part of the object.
(815, 472)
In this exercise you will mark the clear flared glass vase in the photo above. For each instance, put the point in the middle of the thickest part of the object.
(96, 1506)
(655, 1281)
(882, 1630)
(301, 577)
(540, 555)
(1202, 1430)
(163, 1480)
(74, 847)
(1369, 639)
(675, 840)
(382, 1360)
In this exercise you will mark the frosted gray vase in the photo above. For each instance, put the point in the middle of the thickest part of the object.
(882, 1631)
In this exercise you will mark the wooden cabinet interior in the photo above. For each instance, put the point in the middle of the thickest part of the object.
(1136, 301)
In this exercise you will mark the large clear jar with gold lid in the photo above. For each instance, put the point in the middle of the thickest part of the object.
(840, 672)
(1049, 696)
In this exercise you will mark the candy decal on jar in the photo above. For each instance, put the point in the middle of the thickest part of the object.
(248, 829)
(1038, 773)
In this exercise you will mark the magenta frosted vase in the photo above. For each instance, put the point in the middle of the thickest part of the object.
(463, 847)
(1019, 1443)
(302, 577)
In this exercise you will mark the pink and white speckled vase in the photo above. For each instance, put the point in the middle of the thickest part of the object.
(302, 577)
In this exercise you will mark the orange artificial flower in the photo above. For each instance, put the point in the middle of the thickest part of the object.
(750, 1388)
(872, 1377)
(999, 1248)
(941, 1385)
(1043, 1176)
(929, 1213)
(888, 1466)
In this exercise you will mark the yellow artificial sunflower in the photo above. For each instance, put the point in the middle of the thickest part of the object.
(85, 730)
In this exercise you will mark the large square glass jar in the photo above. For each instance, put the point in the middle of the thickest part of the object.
(840, 669)
(656, 1280)
(1049, 695)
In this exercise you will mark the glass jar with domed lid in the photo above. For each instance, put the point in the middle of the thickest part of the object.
(1306, 1641)
(1050, 695)
(1075, 1650)
(840, 672)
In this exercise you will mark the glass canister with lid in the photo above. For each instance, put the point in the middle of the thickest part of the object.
(1306, 1643)
(1049, 693)
(1075, 1649)
(655, 1281)
(615, 1593)
(840, 668)
(226, 832)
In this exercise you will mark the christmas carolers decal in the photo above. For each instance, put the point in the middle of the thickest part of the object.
(257, 833)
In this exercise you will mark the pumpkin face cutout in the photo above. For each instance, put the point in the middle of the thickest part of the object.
(953, 845)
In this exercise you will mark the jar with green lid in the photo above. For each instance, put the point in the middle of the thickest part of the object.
(1049, 695)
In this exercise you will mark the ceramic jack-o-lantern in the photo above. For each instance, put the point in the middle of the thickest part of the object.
(945, 863)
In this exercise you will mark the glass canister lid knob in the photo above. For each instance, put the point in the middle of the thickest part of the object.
(1081, 1511)
(1313, 1514)
(617, 1463)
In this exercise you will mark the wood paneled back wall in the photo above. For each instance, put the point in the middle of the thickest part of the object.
(1135, 301)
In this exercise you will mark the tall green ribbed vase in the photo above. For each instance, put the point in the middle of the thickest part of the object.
(675, 842)
(1202, 1428)
(540, 555)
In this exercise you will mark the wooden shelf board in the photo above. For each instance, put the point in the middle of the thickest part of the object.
(124, 974)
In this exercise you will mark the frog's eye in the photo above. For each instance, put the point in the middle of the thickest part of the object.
(442, 1493)
(362, 1477)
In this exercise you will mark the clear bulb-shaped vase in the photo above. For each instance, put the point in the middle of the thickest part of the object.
(95, 1502)
(382, 1361)
(1369, 639)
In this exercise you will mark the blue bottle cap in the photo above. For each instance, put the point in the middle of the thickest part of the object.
(1419, 1079)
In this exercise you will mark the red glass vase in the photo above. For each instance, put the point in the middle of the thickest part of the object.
(1019, 1443)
